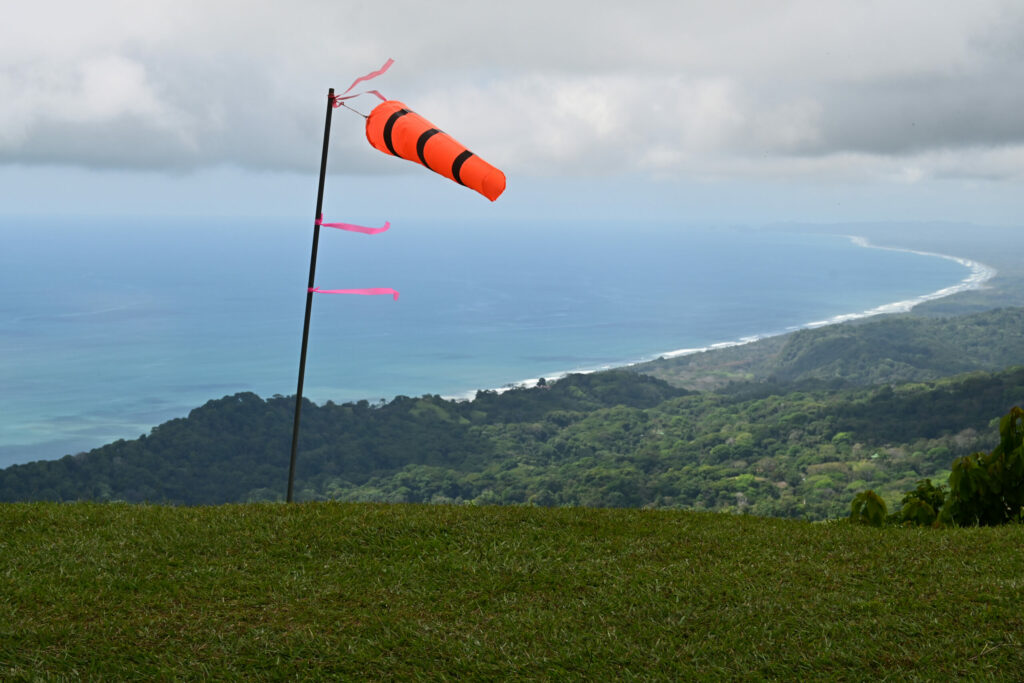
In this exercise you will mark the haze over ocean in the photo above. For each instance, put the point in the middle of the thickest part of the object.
(108, 328)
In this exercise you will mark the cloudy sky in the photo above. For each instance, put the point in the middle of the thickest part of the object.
(726, 111)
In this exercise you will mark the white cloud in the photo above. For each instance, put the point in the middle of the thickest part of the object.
(692, 89)
(108, 88)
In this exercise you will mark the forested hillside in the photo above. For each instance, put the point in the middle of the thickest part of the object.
(610, 439)
(885, 349)
(237, 447)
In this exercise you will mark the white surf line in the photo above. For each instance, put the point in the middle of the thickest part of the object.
(980, 274)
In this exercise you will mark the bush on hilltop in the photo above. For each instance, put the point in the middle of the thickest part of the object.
(985, 489)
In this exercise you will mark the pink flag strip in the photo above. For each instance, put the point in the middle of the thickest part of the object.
(369, 291)
(372, 74)
(355, 228)
(338, 99)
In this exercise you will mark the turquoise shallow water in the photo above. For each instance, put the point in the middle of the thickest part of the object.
(108, 328)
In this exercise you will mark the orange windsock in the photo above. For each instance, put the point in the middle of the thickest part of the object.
(393, 129)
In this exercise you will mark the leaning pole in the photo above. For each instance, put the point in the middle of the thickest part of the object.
(309, 294)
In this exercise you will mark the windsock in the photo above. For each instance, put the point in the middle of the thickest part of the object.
(393, 129)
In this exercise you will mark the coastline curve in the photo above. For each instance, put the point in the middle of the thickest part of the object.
(977, 278)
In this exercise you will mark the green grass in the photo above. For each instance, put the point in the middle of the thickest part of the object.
(435, 592)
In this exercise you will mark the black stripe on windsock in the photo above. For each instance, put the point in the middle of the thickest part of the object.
(389, 126)
(457, 165)
(422, 143)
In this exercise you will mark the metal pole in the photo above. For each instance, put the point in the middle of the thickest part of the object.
(309, 294)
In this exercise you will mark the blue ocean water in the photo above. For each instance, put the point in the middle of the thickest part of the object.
(109, 327)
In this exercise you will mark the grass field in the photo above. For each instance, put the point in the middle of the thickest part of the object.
(436, 592)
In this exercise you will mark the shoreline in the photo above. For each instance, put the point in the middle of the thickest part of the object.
(979, 275)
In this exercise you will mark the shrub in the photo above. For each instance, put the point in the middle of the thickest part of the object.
(868, 508)
(987, 489)
(922, 505)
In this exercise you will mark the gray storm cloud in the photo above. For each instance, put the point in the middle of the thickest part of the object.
(894, 90)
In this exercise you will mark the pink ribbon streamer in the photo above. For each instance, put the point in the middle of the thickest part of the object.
(368, 291)
(372, 74)
(354, 228)
(339, 99)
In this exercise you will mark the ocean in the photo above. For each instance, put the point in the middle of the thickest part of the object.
(109, 327)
